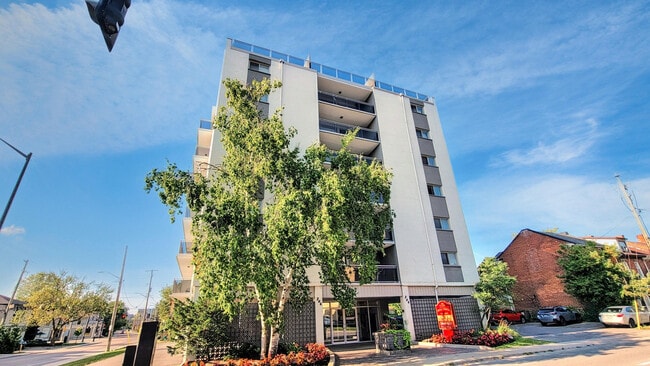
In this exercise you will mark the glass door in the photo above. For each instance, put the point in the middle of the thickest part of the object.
(340, 326)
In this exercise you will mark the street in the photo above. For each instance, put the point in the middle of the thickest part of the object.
(54, 356)
(602, 346)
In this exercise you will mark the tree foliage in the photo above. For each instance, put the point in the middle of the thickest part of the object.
(593, 276)
(268, 213)
(163, 310)
(494, 288)
(58, 299)
(9, 339)
(196, 326)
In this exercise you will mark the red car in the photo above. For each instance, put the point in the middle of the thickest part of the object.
(507, 315)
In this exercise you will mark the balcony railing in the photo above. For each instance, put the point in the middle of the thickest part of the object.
(181, 286)
(363, 133)
(207, 125)
(344, 102)
(185, 248)
(325, 70)
(385, 273)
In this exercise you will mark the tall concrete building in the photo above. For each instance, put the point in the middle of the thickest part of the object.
(428, 255)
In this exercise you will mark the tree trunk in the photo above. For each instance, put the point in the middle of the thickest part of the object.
(275, 330)
(265, 338)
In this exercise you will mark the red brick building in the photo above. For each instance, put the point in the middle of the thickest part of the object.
(532, 258)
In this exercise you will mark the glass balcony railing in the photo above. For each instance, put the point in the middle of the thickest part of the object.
(207, 125)
(325, 70)
(385, 273)
(181, 286)
(345, 102)
(363, 133)
(185, 248)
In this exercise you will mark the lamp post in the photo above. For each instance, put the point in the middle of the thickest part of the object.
(20, 178)
(117, 299)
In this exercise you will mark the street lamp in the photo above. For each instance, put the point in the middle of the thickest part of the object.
(20, 177)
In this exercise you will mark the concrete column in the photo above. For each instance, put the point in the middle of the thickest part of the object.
(318, 301)
(407, 315)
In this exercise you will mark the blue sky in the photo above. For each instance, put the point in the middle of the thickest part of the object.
(542, 103)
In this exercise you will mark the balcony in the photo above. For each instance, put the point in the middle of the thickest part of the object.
(331, 134)
(184, 260)
(204, 139)
(349, 111)
(385, 273)
(185, 248)
(182, 289)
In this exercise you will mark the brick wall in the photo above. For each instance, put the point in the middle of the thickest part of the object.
(532, 258)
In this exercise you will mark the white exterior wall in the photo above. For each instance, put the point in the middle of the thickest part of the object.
(415, 238)
(465, 255)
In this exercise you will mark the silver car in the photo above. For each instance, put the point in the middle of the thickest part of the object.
(557, 315)
(623, 315)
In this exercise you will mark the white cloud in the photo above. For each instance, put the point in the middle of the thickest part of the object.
(567, 143)
(63, 93)
(578, 204)
(12, 230)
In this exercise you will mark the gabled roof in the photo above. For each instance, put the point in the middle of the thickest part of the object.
(4, 300)
(566, 238)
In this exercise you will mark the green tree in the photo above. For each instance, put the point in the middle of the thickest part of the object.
(196, 326)
(59, 299)
(268, 213)
(164, 309)
(494, 288)
(107, 313)
(9, 339)
(593, 276)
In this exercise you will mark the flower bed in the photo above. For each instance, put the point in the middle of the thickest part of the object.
(312, 354)
(490, 338)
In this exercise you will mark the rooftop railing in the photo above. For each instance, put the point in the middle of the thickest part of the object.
(325, 70)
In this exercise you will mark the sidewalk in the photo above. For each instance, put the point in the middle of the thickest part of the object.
(436, 354)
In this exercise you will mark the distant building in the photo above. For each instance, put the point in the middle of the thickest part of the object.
(11, 310)
(532, 258)
(428, 251)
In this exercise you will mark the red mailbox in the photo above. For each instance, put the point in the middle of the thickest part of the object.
(446, 319)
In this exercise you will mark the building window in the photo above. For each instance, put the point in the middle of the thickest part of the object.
(416, 108)
(441, 224)
(423, 134)
(434, 190)
(264, 98)
(428, 160)
(449, 259)
(258, 66)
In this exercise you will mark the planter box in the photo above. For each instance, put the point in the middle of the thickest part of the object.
(390, 344)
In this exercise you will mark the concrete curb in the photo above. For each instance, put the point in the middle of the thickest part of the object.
(492, 354)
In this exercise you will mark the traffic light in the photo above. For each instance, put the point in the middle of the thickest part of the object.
(109, 15)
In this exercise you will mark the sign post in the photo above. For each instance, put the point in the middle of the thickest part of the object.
(446, 319)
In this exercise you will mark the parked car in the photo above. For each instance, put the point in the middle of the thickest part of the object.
(623, 315)
(508, 316)
(558, 315)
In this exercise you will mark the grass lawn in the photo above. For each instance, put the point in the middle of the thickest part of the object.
(95, 358)
(521, 341)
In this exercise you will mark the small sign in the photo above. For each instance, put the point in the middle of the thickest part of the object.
(446, 319)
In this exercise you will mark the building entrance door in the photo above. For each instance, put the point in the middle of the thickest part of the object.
(341, 326)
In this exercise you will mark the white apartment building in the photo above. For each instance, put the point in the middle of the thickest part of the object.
(428, 254)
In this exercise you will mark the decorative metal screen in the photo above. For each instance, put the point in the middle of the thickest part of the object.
(425, 320)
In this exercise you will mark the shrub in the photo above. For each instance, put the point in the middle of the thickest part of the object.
(312, 354)
(490, 338)
(9, 339)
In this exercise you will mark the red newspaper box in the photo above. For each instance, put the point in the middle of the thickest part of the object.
(446, 319)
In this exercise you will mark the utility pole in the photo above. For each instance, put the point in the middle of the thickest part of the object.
(20, 178)
(13, 294)
(635, 211)
(117, 299)
(146, 304)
